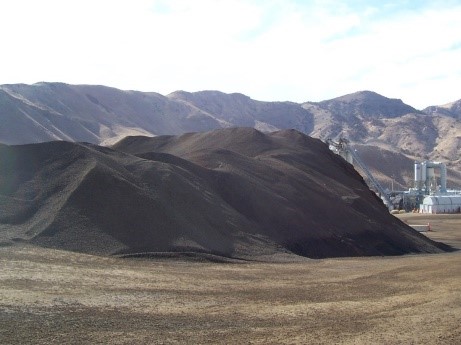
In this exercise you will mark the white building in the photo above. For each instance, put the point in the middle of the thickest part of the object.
(441, 204)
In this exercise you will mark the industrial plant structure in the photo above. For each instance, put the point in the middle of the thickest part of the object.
(441, 204)
(425, 178)
(427, 195)
(342, 148)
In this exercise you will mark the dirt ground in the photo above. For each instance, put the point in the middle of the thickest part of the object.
(57, 297)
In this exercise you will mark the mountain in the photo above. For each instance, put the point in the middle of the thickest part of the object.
(240, 110)
(389, 125)
(95, 114)
(235, 193)
(358, 116)
(452, 109)
(103, 115)
(366, 104)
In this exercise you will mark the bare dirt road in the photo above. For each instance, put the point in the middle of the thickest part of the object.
(57, 297)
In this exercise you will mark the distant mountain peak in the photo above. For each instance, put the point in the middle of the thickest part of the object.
(101, 114)
(452, 109)
(367, 104)
(364, 95)
(185, 95)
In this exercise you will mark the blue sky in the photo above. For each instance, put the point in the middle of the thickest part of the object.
(273, 50)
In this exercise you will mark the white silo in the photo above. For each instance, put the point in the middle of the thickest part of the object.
(431, 184)
(418, 178)
(423, 171)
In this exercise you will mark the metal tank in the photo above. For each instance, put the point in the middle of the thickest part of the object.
(431, 184)
(418, 179)
(417, 172)
(423, 171)
(425, 176)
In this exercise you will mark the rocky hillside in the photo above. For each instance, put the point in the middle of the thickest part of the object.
(240, 110)
(368, 118)
(451, 109)
(103, 115)
(389, 125)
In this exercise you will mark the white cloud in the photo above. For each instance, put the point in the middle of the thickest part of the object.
(269, 50)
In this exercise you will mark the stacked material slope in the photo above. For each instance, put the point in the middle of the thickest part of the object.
(236, 193)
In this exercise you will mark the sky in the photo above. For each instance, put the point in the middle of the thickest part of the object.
(269, 50)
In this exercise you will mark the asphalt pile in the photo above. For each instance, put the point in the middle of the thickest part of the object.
(232, 193)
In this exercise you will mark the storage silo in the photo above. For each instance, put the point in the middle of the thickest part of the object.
(431, 184)
(418, 178)
(423, 172)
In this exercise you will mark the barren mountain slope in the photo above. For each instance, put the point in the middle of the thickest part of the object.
(367, 104)
(23, 121)
(392, 169)
(452, 109)
(96, 114)
(358, 116)
(366, 118)
(103, 115)
(241, 110)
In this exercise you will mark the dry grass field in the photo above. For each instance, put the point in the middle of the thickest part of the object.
(56, 297)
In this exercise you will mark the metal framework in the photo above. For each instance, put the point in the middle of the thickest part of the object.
(343, 148)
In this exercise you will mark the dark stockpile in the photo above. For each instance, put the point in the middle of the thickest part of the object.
(236, 193)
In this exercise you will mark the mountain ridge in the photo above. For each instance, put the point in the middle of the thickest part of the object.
(367, 103)
(104, 115)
